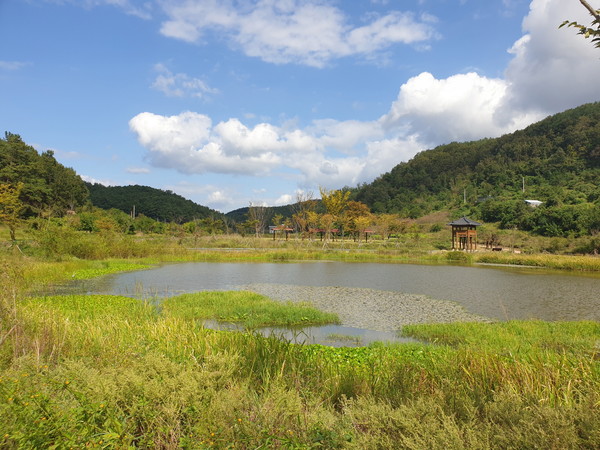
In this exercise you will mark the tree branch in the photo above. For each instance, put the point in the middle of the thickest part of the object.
(592, 11)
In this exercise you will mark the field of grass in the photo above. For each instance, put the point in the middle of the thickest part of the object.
(114, 372)
(71, 248)
(109, 371)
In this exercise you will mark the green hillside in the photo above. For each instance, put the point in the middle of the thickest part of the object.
(46, 186)
(165, 206)
(556, 161)
(241, 214)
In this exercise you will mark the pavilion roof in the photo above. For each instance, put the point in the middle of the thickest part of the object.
(464, 221)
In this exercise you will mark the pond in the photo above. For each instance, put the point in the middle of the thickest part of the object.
(500, 293)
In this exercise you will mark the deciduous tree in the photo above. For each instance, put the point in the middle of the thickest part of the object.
(335, 201)
(257, 214)
(10, 207)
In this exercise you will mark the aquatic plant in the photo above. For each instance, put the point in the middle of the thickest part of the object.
(248, 308)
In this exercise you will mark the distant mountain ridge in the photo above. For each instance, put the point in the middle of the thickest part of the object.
(164, 206)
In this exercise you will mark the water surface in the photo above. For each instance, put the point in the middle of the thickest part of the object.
(500, 293)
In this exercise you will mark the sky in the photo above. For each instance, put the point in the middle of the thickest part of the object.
(237, 102)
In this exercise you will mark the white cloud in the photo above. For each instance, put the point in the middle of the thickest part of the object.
(180, 84)
(284, 199)
(458, 108)
(186, 143)
(308, 32)
(218, 197)
(346, 136)
(97, 181)
(385, 154)
(190, 144)
(552, 69)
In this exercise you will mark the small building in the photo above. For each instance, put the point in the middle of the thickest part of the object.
(464, 234)
(274, 229)
(533, 203)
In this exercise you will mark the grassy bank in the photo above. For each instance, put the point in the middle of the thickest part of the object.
(558, 262)
(115, 372)
(71, 248)
(112, 372)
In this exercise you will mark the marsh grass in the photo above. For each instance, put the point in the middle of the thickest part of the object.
(111, 371)
(514, 336)
(54, 243)
(559, 262)
(115, 372)
(107, 267)
(250, 309)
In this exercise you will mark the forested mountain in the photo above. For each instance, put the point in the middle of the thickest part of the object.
(165, 206)
(556, 161)
(286, 212)
(48, 187)
(241, 214)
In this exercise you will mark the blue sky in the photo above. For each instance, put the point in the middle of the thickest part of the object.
(235, 102)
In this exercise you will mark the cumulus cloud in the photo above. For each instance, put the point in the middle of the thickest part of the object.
(188, 143)
(180, 84)
(552, 69)
(306, 32)
(218, 197)
(457, 108)
(346, 136)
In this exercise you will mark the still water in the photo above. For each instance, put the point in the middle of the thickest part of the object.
(500, 293)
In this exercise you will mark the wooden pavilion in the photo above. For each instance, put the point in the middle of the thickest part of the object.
(464, 234)
(282, 228)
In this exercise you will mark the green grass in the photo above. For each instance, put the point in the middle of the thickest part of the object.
(111, 371)
(68, 246)
(559, 262)
(115, 372)
(250, 309)
(107, 267)
(515, 337)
